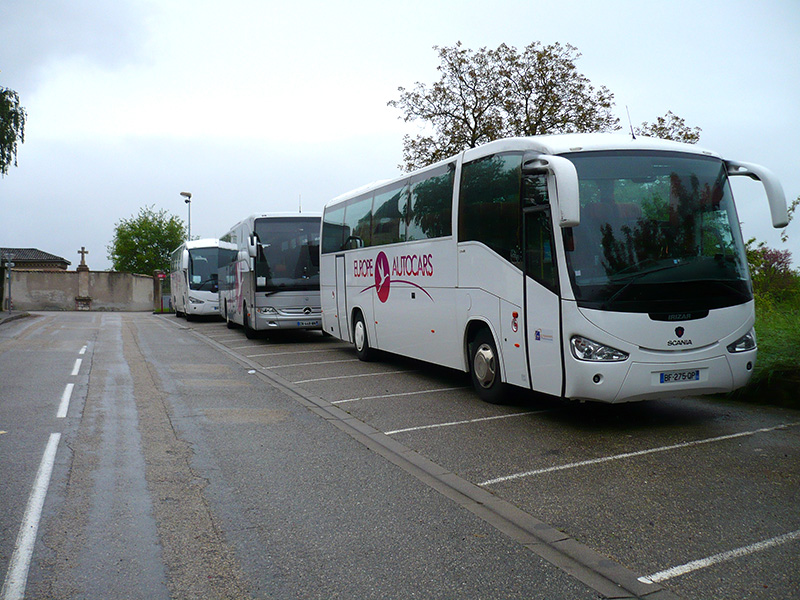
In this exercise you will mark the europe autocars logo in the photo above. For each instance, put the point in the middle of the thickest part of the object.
(383, 272)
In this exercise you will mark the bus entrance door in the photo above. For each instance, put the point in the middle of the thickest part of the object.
(341, 298)
(542, 303)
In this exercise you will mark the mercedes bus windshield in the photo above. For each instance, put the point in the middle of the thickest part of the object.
(288, 254)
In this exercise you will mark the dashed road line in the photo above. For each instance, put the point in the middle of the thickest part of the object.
(77, 367)
(63, 407)
(17, 574)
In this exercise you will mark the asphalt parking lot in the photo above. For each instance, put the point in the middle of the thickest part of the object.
(696, 497)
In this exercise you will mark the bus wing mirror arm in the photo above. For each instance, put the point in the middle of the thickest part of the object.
(252, 246)
(773, 188)
(567, 189)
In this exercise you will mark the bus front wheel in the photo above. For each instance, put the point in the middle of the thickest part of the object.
(485, 368)
(249, 332)
(361, 340)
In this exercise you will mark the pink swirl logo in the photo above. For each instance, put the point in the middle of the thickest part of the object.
(382, 277)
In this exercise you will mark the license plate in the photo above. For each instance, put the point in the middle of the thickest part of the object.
(676, 376)
(307, 323)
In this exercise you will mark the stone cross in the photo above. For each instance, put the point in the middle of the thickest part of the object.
(83, 252)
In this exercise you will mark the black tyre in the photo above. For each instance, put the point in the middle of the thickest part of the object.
(228, 323)
(484, 368)
(361, 339)
(249, 332)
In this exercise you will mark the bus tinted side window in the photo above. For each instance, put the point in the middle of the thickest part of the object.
(358, 222)
(387, 215)
(489, 209)
(429, 212)
(333, 230)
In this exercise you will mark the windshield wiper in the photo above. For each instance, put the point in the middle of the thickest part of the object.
(636, 278)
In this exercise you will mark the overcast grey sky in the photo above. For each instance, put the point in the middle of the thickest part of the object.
(256, 106)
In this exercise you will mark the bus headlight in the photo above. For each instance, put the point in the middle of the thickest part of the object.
(744, 343)
(586, 349)
(194, 300)
(269, 310)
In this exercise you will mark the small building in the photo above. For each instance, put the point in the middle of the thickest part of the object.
(29, 259)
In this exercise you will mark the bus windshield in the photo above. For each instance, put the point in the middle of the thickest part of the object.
(288, 254)
(658, 234)
(203, 265)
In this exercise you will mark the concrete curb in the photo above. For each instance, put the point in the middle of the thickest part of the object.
(6, 317)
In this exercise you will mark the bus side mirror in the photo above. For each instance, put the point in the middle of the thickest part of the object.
(773, 188)
(252, 246)
(567, 189)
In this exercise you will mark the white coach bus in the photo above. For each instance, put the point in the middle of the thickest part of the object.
(193, 277)
(587, 266)
(272, 279)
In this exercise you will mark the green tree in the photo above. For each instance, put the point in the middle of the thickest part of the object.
(490, 94)
(670, 127)
(12, 128)
(142, 244)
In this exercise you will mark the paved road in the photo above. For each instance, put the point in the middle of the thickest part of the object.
(193, 463)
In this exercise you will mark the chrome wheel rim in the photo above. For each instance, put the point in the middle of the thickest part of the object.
(360, 336)
(484, 366)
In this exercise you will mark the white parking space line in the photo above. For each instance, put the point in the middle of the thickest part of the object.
(63, 407)
(604, 459)
(318, 362)
(17, 574)
(467, 422)
(83, 350)
(448, 389)
(76, 369)
(353, 376)
(285, 353)
(721, 557)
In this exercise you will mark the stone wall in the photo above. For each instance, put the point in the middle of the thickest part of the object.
(81, 290)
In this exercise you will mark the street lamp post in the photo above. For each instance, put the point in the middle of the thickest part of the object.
(187, 197)
(9, 257)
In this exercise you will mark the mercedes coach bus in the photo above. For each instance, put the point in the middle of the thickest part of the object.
(584, 266)
(193, 277)
(272, 279)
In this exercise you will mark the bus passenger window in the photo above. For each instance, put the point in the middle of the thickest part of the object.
(489, 209)
(386, 215)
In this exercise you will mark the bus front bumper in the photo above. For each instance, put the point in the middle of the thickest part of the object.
(271, 319)
(631, 380)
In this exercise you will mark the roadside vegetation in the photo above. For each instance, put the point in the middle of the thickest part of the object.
(776, 377)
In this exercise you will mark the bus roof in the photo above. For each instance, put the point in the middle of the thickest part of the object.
(583, 142)
(547, 144)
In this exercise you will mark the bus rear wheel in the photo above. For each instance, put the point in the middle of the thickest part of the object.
(484, 368)
(361, 339)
